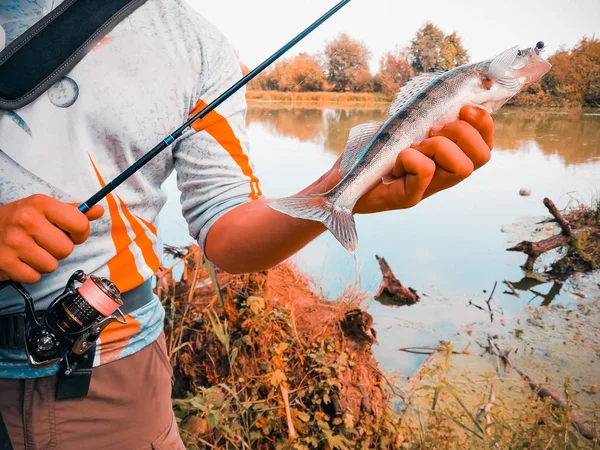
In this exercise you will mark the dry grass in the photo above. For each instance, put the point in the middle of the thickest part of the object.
(272, 365)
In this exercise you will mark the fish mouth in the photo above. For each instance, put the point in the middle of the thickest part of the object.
(538, 66)
(536, 70)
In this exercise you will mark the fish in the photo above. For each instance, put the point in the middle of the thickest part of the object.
(426, 101)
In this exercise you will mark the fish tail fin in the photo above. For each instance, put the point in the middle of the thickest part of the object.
(319, 208)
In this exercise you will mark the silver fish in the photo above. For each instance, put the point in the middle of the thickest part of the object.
(425, 101)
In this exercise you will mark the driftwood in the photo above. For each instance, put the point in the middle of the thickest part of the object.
(584, 429)
(572, 235)
(534, 250)
(392, 291)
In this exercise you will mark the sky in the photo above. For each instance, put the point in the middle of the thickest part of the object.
(258, 28)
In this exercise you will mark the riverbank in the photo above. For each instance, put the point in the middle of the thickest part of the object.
(264, 361)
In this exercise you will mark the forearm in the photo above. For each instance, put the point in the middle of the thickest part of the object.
(254, 237)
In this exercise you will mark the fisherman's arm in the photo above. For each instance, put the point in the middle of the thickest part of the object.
(253, 237)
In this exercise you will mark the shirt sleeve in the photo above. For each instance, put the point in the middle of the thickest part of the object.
(214, 173)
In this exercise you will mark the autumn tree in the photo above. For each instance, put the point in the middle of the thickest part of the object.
(394, 70)
(574, 75)
(346, 63)
(306, 73)
(432, 49)
(300, 73)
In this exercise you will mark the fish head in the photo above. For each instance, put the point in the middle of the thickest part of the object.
(509, 73)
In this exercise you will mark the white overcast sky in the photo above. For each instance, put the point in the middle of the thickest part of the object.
(257, 28)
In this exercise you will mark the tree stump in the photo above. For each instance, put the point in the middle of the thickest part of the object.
(392, 292)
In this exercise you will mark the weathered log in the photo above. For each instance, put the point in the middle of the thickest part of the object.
(533, 250)
(392, 291)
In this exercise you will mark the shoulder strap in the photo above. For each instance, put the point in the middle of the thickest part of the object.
(54, 45)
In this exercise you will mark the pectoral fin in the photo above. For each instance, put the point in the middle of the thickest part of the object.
(501, 63)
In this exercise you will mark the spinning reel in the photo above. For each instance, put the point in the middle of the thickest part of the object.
(73, 321)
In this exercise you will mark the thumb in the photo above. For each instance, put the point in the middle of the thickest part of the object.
(94, 213)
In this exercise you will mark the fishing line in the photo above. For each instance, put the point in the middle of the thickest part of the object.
(171, 138)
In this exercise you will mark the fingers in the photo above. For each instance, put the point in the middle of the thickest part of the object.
(69, 219)
(54, 241)
(37, 258)
(481, 121)
(447, 155)
(36, 233)
(419, 170)
(21, 273)
(468, 139)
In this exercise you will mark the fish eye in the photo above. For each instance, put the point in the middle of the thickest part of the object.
(519, 53)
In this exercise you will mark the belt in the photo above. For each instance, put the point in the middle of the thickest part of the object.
(12, 326)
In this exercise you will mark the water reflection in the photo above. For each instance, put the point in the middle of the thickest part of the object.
(326, 126)
(573, 135)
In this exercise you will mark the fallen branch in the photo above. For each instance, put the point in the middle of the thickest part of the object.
(288, 413)
(392, 291)
(488, 303)
(487, 410)
(564, 224)
(578, 422)
(534, 250)
(416, 377)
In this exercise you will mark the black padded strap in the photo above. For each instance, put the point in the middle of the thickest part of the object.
(54, 45)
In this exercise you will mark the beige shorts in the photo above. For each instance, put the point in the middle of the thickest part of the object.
(128, 408)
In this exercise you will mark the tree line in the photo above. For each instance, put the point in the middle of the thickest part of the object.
(343, 66)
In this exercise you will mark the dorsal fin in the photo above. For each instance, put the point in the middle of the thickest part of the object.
(412, 88)
(358, 138)
(502, 62)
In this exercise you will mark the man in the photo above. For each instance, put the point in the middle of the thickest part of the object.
(143, 80)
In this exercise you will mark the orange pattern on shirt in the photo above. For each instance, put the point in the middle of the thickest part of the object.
(141, 239)
(122, 268)
(218, 127)
(115, 338)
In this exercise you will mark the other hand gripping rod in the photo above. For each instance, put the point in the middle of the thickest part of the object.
(84, 207)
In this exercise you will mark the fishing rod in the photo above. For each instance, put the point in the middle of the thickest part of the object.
(73, 322)
(171, 138)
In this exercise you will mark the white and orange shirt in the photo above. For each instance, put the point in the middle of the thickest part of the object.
(142, 81)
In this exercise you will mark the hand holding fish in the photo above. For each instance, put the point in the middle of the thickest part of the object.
(378, 152)
(444, 159)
